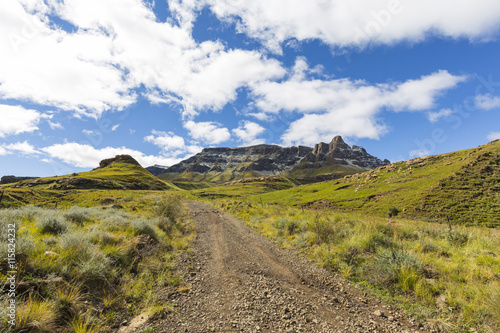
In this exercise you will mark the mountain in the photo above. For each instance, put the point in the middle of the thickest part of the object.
(461, 187)
(13, 179)
(120, 172)
(156, 169)
(226, 164)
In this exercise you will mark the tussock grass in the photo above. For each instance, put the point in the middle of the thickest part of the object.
(90, 267)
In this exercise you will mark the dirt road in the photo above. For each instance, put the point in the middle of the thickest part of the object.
(241, 282)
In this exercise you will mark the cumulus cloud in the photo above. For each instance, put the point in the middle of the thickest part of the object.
(116, 47)
(208, 132)
(346, 107)
(248, 132)
(173, 146)
(23, 148)
(86, 156)
(487, 102)
(16, 119)
(435, 116)
(494, 136)
(3, 151)
(358, 23)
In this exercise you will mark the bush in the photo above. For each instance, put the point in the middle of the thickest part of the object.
(52, 224)
(393, 212)
(394, 269)
(143, 227)
(324, 229)
(77, 215)
(172, 208)
(457, 237)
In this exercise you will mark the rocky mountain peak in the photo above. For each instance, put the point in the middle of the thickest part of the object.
(225, 164)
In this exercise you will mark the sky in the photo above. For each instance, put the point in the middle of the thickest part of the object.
(85, 80)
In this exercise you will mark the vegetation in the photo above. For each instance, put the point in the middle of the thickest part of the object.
(444, 273)
(89, 268)
(121, 176)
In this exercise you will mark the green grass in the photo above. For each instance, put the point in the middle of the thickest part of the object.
(408, 263)
(88, 268)
(123, 176)
(462, 187)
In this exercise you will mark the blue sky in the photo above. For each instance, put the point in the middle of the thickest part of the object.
(84, 80)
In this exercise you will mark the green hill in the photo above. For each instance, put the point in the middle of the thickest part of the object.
(122, 172)
(461, 187)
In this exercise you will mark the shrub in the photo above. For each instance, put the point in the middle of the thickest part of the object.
(77, 215)
(393, 212)
(377, 240)
(323, 228)
(52, 224)
(143, 227)
(95, 269)
(457, 237)
(171, 208)
(394, 269)
(292, 227)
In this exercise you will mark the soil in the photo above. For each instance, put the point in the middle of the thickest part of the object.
(240, 282)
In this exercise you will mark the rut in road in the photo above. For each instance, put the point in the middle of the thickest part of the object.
(241, 282)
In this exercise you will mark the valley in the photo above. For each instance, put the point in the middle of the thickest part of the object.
(336, 241)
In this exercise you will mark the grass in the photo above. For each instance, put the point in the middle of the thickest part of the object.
(121, 176)
(461, 187)
(89, 267)
(444, 273)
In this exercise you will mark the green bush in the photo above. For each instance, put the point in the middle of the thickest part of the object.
(394, 269)
(52, 224)
(77, 215)
(323, 228)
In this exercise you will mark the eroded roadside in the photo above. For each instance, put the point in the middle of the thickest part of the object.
(241, 282)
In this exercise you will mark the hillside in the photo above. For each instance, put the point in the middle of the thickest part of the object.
(326, 161)
(121, 172)
(462, 187)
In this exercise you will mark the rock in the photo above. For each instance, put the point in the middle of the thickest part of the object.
(118, 159)
(378, 313)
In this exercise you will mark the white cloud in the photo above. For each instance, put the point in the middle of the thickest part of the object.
(54, 125)
(86, 156)
(358, 23)
(115, 127)
(494, 136)
(208, 132)
(111, 52)
(173, 146)
(248, 131)
(23, 148)
(346, 107)
(16, 119)
(3, 151)
(262, 116)
(435, 116)
(487, 102)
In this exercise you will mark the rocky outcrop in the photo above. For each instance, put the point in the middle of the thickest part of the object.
(14, 179)
(265, 160)
(117, 159)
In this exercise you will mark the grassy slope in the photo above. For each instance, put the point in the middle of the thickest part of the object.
(463, 186)
(245, 188)
(116, 176)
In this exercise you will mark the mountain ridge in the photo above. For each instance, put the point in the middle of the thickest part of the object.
(227, 164)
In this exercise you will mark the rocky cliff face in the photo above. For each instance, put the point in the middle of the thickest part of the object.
(224, 164)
